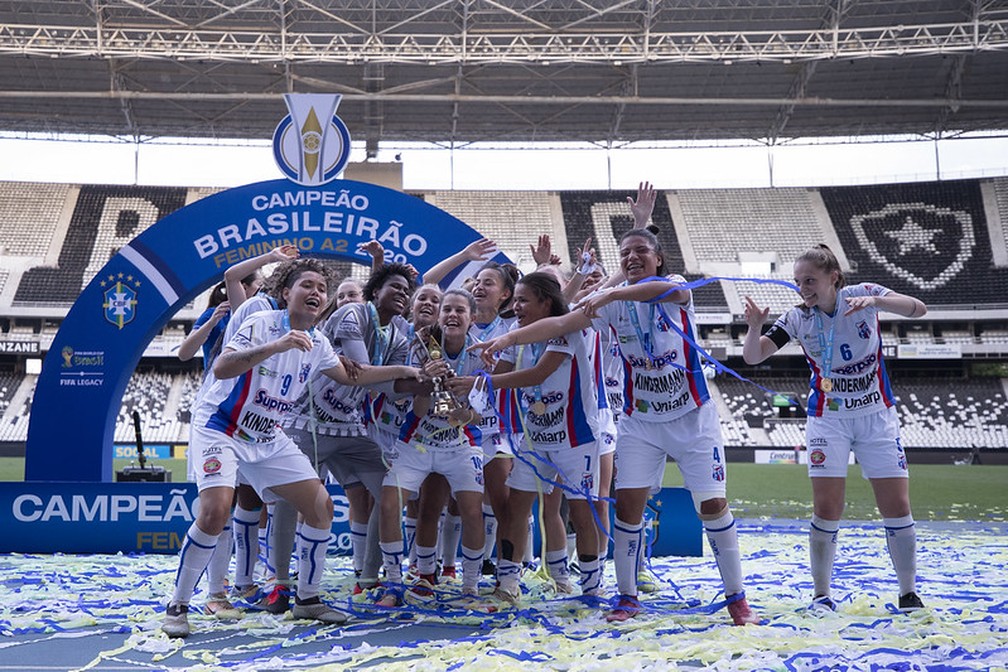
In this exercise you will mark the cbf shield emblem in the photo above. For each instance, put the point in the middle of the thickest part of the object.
(311, 145)
(120, 303)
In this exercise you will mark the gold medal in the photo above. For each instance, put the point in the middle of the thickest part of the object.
(826, 385)
(538, 408)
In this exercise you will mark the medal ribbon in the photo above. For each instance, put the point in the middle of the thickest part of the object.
(382, 337)
(485, 331)
(826, 343)
(645, 339)
(537, 390)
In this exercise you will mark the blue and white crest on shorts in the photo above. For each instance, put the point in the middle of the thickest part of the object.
(311, 145)
(119, 300)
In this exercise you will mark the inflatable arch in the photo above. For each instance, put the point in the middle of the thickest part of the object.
(131, 298)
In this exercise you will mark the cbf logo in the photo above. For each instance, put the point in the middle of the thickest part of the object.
(311, 145)
(120, 300)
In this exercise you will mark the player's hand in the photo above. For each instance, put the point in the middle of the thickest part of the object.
(490, 350)
(220, 312)
(284, 253)
(643, 206)
(373, 248)
(352, 368)
(294, 339)
(479, 250)
(856, 303)
(754, 315)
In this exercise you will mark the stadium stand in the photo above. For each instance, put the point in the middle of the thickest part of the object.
(722, 222)
(951, 410)
(103, 219)
(929, 240)
(29, 214)
(512, 219)
(604, 216)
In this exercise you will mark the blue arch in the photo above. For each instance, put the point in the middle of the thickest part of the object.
(106, 331)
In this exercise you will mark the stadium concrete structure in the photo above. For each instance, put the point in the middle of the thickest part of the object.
(947, 369)
(609, 73)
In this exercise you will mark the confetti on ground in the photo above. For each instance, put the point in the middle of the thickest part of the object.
(103, 613)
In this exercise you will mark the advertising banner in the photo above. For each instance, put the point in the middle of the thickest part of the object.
(140, 517)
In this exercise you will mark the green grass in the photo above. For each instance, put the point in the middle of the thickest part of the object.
(937, 491)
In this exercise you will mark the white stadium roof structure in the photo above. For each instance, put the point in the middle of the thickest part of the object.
(464, 71)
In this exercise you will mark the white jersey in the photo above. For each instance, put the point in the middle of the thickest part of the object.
(857, 371)
(340, 409)
(250, 406)
(435, 432)
(506, 420)
(570, 406)
(662, 376)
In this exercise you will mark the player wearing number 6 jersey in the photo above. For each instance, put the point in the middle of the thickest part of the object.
(850, 407)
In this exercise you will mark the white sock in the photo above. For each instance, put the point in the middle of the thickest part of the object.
(358, 539)
(901, 538)
(591, 577)
(822, 551)
(507, 574)
(392, 555)
(450, 533)
(220, 563)
(529, 550)
(262, 547)
(440, 533)
(472, 566)
(426, 559)
(490, 529)
(313, 543)
(193, 558)
(722, 535)
(556, 565)
(572, 553)
(409, 534)
(246, 536)
(627, 541)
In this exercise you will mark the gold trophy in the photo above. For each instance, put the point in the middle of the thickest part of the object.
(443, 403)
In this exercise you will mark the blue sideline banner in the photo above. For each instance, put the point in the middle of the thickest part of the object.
(142, 517)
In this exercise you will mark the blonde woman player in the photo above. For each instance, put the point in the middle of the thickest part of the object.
(850, 407)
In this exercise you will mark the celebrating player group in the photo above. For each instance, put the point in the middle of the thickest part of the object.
(445, 409)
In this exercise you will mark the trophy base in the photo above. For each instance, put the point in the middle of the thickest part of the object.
(134, 474)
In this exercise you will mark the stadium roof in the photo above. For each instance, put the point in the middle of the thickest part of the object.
(486, 70)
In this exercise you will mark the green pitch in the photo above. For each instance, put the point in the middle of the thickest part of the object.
(937, 492)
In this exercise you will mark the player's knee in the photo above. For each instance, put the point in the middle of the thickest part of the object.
(711, 509)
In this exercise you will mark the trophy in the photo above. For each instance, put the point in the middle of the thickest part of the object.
(443, 403)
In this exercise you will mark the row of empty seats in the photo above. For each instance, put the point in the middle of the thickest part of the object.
(722, 222)
(29, 214)
(927, 239)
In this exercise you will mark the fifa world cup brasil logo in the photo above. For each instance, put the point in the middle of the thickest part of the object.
(311, 145)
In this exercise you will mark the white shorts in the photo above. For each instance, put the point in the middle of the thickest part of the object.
(263, 465)
(461, 467)
(693, 440)
(874, 439)
(576, 468)
(496, 445)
